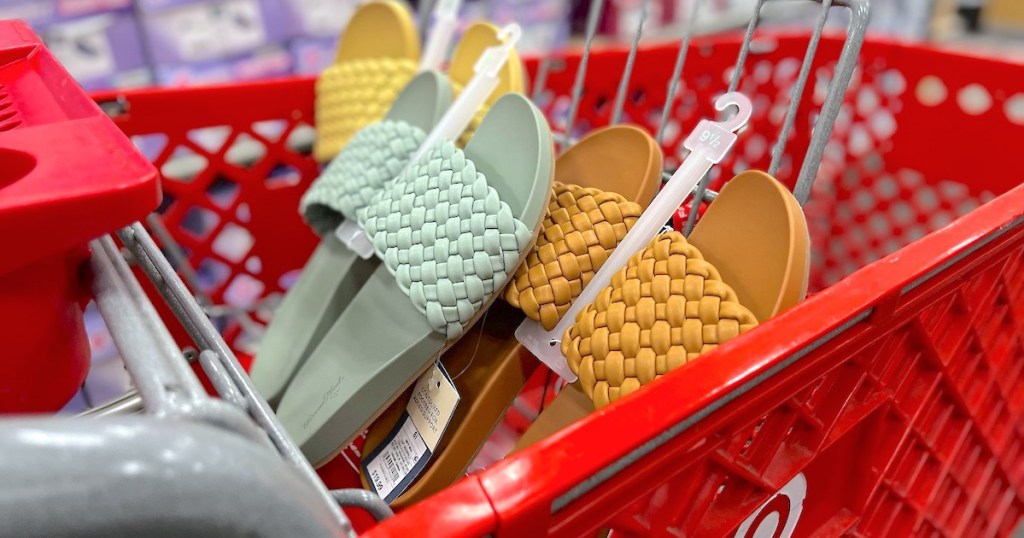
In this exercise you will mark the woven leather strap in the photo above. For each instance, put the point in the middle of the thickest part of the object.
(354, 94)
(374, 157)
(446, 236)
(666, 307)
(581, 228)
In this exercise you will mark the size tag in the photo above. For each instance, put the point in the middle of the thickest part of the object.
(391, 467)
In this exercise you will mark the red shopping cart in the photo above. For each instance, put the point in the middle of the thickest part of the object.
(888, 404)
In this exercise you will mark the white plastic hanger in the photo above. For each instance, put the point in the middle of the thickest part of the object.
(709, 143)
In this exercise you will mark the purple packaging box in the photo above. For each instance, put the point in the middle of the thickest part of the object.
(188, 31)
(268, 62)
(73, 9)
(36, 13)
(101, 51)
(313, 55)
(315, 18)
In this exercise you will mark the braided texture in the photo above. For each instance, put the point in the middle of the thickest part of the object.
(666, 307)
(581, 228)
(446, 236)
(352, 95)
(374, 157)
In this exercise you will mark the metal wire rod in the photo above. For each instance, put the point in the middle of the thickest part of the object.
(185, 308)
(128, 404)
(860, 13)
(593, 17)
(227, 390)
(543, 68)
(147, 348)
(830, 109)
(177, 256)
(677, 72)
(167, 386)
(734, 83)
(360, 498)
(741, 61)
(797, 92)
(627, 70)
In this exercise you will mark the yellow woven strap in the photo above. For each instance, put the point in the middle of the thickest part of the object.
(666, 307)
(581, 228)
(354, 94)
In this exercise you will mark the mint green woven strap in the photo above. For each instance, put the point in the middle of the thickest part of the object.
(372, 159)
(447, 238)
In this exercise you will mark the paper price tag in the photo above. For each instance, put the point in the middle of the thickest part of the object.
(391, 467)
(432, 405)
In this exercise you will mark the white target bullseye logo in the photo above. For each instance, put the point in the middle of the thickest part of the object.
(778, 516)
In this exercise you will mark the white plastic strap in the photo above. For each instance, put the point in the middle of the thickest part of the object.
(446, 13)
(709, 143)
(455, 120)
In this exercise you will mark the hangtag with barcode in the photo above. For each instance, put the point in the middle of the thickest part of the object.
(393, 466)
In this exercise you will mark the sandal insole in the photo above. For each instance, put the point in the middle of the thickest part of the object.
(333, 275)
(620, 159)
(382, 342)
(379, 29)
(759, 242)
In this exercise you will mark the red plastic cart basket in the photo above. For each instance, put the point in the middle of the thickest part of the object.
(66, 176)
(888, 404)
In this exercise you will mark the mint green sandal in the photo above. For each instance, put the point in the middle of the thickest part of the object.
(451, 233)
(334, 274)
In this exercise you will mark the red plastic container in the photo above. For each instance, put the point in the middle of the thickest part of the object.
(66, 176)
(888, 404)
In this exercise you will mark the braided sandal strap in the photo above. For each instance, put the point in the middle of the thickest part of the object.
(369, 163)
(446, 236)
(582, 226)
(665, 308)
(354, 94)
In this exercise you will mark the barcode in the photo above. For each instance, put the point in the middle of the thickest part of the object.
(390, 466)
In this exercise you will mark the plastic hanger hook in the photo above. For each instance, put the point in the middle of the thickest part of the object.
(744, 109)
(712, 140)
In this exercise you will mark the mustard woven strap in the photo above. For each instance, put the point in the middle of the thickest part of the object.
(581, 228)
(354, 94)
(446, 236)
(666, 307)
(370, 162)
